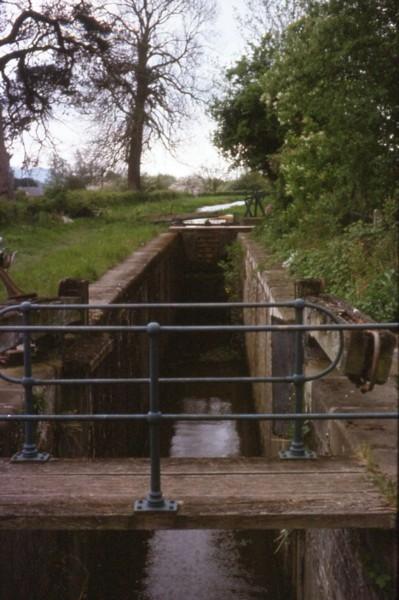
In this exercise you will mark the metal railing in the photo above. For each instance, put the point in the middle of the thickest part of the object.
(154, 417)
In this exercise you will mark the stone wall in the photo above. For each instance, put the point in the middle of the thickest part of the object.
(151, 274)
(338, 564)
(264, 280)
(182, 263)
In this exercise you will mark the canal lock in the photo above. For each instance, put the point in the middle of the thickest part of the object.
(165, 565)
(200, 564)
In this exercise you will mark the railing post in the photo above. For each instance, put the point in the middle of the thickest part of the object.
(29, 452)
(297, 448)
(154, 500)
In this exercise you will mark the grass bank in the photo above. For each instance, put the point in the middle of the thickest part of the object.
(49, 250)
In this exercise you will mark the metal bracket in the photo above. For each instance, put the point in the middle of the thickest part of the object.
(20, 457)
(293, 455)
(369, 382)
(145, 505)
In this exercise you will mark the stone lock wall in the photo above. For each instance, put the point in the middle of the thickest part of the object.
(336, 564)
(268, 352)
(47, 399)
(151, 274)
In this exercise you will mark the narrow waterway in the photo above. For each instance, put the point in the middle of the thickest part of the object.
(209, 564)
(216, 207)
(169, 565)
(199, 564)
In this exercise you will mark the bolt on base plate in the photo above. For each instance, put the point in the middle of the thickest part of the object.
(21, 457)
(146, 506)
(290, 455)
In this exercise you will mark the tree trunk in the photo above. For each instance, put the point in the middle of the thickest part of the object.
(6, 187)
(138, 120)
(135, 152)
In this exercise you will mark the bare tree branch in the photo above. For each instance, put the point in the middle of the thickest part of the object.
(270, 17)
(149, 78)
(41, 50)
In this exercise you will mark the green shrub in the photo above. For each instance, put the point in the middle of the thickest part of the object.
(232, 267)
(357, 262)
(5, 212)
(82, 203)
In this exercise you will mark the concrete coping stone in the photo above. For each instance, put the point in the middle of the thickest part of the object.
(337, 394)
(113, 285)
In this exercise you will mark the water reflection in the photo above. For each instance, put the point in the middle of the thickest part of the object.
(216, 207)
(194, 564)
(200, 565)
(211, 564)
(207, 438)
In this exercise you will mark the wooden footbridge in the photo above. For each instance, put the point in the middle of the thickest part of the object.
(295, 491)
(222, 493)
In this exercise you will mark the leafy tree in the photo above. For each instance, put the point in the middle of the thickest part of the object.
(248, 131)
(145, 88)
(335, 88)
(41, 48)
(318, 103)
(248, 182)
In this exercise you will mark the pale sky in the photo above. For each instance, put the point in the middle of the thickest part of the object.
(226, 46)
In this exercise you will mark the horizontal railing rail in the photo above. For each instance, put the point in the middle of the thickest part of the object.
(154, 416)
(201, 417)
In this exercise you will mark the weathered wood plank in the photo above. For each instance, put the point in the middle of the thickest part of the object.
(183, 465)
(211, 485)
(212, 493)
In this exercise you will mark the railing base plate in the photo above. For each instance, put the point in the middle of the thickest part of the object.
(146, 506)
(290, 455)
(19, 457)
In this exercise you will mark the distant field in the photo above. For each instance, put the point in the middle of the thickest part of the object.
(50, 251)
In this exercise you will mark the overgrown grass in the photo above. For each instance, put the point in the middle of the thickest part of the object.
(49, 250)
(358, 262)
(81, 249)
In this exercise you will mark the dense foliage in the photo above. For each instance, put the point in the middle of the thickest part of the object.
(331, 82)
(248, 131)
(337, 89)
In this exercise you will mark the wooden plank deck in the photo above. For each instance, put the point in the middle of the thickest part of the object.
(217, 493)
